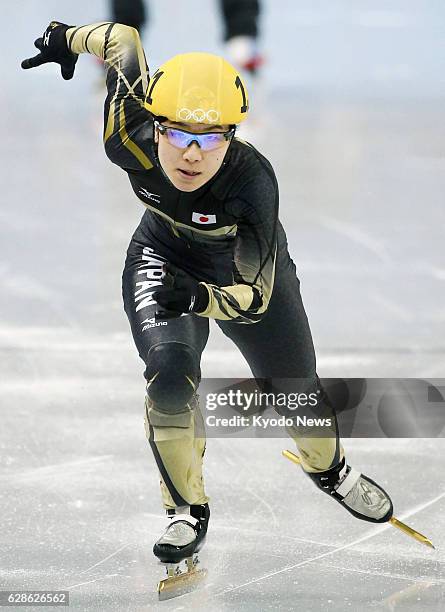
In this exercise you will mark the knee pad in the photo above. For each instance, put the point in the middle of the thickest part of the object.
(172, 376)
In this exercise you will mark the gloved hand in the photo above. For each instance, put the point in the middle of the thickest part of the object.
(180, 293)
(54, 48)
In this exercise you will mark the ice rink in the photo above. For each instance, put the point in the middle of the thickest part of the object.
(350, 111)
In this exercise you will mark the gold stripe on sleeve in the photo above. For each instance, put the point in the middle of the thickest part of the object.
(127, 142)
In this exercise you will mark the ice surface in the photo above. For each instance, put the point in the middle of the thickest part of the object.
(361, 169)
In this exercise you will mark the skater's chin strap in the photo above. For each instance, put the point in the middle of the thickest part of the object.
(186, 518)
(348, 483)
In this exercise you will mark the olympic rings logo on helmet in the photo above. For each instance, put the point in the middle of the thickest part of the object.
(199, 115)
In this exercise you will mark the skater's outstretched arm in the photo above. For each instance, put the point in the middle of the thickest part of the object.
(127, 123)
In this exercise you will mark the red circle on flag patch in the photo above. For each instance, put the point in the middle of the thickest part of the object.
(203, 219)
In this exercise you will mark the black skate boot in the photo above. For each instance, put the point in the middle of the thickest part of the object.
(184, 535)
(360, 495)
(183, 538)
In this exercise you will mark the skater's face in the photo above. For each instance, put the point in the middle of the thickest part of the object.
(190, 167)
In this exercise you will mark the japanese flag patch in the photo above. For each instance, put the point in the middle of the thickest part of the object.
(203, 219)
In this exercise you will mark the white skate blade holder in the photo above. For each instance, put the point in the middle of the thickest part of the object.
(180, 582)
(354, 475)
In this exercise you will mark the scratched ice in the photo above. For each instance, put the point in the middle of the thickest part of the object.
(360, 166)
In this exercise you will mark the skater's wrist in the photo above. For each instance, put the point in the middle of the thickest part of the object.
(202, 299)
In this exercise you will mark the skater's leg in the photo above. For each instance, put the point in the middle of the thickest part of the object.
(240, 17)
(280, 347)
(174, 424)
(241, 33)
(171, 351)
(129, 12)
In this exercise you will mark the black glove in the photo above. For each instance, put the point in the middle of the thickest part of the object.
(180, 293)
(54, 48)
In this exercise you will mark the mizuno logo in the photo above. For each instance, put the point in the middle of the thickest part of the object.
(150, 196)
(152, 323)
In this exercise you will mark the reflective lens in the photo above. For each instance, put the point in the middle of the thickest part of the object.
(206, 141)
(182, 140)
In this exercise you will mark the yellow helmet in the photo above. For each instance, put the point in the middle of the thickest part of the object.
(198, 88)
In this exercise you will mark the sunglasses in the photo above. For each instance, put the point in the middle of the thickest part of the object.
(181, 139)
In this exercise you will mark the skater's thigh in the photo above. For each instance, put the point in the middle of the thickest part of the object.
(280, 344)
(185, 334)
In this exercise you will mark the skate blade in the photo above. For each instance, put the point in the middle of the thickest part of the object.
(180, 584)
(393, 520)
